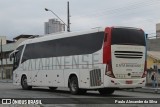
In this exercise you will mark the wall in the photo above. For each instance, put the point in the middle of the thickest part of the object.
(150, 68)
(151, 62)
(153, 44)
(158, 29)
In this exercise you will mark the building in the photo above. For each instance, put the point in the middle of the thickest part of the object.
(6, 65)
(153, 44)
(153, 60)
(53, 26)
(153, 64)
(6, 47)
(158, 29)
(3, 39)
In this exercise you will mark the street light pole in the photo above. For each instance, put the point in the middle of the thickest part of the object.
(57, 17)
(68, 17)
(1, 61)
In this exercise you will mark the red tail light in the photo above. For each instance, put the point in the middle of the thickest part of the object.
(145, 70)
(109, 71)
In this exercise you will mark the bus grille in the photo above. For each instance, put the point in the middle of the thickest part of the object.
(128, 54)
(95, 77)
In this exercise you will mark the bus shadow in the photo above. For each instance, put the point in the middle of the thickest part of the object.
(67, 93)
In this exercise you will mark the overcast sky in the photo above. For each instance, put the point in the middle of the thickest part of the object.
(28, 16)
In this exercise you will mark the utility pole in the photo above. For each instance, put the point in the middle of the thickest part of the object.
(1, 61)
(68, 17)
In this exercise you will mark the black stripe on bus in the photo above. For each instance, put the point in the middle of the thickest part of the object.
(128, 52)
(128, 57)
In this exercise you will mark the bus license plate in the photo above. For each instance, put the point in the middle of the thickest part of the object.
(129, 82)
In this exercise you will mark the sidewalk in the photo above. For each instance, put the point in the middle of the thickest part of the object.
(146, 90)
(6, 81)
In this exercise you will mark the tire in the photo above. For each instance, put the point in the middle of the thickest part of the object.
(52, 88)
(24, 83)
(106, 91)
(73, 85)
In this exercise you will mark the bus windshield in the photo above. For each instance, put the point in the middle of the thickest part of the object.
(125, 36)
(17, 56)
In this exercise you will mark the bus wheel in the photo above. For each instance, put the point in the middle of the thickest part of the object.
(106, 91)
(73, 85)
(53, 88)
(24, 83)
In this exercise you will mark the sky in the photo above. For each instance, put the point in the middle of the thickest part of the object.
(28, 16)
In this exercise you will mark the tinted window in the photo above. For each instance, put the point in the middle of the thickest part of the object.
(128, 36)
(77, 45)
(17, 57)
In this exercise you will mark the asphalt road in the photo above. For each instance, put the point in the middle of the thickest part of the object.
(62, 97)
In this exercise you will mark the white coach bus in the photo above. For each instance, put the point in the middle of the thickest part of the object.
(100, 59)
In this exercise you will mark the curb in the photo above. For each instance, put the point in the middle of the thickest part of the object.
(6, 81)
(146, 90)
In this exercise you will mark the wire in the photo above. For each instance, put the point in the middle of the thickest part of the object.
(149, 20)
(119, 10)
